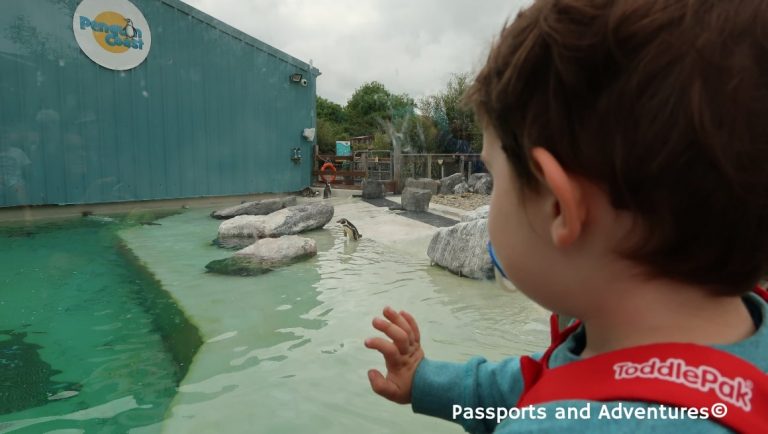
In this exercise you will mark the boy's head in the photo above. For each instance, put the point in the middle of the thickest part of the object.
(631, 129)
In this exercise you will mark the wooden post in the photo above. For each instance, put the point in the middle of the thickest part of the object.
(396, 161)
(461, 166)
(429, 166)
(315, 157)
(469, 168)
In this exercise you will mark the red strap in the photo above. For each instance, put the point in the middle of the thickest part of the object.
(762, 292)
(658, 373)
(682, 375)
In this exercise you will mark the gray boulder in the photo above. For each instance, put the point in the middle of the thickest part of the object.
(473, 178)
(265, 255)
(373, 189)
(480, 183)
(461, 188)
(233, 243)
(259, 207)
(448, 183)
(462, 250)
(423, 184)
(236, 266)
(476, 214)
(415, 199)
(272, 251)
(287, 221)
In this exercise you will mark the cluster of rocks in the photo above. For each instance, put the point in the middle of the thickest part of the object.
(462, 248)
(478, 183)
(419, 192)
(265, 232)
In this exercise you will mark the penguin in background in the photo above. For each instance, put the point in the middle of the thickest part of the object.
(350, 230)
(327, 191)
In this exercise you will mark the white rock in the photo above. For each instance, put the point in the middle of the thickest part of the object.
(287, 221)
(477, 213)
(481, 183)
(259, 207)
(415, 199)
(448, 183)
(461, 188)
(462, 249)
(279, 250)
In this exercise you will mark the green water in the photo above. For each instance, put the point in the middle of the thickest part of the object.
(84, 321)
(283, 352)
(88, 341)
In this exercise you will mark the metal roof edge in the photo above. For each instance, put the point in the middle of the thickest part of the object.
(239, 34)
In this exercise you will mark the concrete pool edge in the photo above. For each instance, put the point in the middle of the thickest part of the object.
(186, 338)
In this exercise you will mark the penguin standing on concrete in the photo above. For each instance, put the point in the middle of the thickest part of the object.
(327, 191)
(349, 230)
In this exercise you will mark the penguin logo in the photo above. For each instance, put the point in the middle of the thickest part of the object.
(349, 229)
(129, 30)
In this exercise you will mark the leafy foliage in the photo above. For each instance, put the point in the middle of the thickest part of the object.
(371, 105)
(451, 116)
(440, 123)
(330, 111)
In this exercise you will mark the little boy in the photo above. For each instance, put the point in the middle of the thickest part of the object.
(628, 142)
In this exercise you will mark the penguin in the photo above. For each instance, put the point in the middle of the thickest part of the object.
(327, 191)
(349, 230)
(130, 31)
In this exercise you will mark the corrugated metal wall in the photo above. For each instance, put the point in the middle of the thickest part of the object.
(210, 112)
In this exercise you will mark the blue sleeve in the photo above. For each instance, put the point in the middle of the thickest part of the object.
(441, 389)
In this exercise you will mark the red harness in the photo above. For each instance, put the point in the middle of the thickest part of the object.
(675, 374)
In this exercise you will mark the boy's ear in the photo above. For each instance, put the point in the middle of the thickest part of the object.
(570, 209)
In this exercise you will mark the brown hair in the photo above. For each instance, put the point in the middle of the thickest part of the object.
(664, 105)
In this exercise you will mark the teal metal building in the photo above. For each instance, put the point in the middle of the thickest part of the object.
(211, 111)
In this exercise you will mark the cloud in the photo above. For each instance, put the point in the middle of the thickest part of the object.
(410, 46)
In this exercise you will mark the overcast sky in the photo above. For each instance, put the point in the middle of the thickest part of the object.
(410, 46)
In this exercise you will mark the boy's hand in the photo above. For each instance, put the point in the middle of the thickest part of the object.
(402, 355)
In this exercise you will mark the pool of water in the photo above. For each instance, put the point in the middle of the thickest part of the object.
(88, 340)
(283, 352)
(277, 353)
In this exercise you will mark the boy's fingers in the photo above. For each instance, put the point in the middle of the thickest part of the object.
(382, 387)
(399, 321)
(412, 323)
(398, 336)
(385, 347)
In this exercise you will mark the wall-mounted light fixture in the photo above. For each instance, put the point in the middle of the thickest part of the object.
(298, 78)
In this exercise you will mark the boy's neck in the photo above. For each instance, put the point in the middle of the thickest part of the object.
(667, 313)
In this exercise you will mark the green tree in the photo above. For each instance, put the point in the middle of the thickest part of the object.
(372, 107)
(327, 134)
(420, 135)
(330, 111)
(330, 125)
(381, 141)
(451, 115)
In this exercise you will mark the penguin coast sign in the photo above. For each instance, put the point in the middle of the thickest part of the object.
(112, 33)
